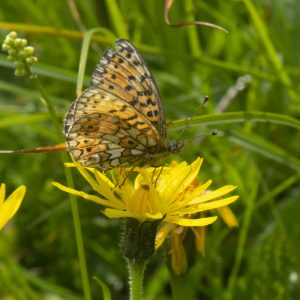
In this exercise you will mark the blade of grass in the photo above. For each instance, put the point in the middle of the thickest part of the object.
(236, 117)
(249, 200)
(45, 285)
(270, 49)
(192, 30)
(117, 19)
(27, 292)
(264, 147)
(84, 53)
(48, 30)
(74, 205)
(16, 89)
(17, 119)
(104, 287)
(287, 184)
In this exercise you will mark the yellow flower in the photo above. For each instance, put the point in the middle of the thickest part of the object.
(177, 233)
(10, 206)
(156, 194)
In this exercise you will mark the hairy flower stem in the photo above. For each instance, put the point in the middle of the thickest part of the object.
(136, 277)
(137, 246)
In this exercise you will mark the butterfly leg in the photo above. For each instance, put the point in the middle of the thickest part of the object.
(158, 175)
(126, 175)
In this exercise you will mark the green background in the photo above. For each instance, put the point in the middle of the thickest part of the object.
(251, 76)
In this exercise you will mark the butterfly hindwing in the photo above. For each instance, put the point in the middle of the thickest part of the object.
(107, 132)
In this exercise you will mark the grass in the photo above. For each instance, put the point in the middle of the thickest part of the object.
(256, 148)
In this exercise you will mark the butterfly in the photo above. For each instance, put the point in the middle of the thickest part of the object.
(119, 120)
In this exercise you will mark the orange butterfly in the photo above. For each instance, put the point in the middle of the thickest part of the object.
(119, 119)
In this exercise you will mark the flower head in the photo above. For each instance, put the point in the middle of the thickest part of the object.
(156, 194)
(9, 207)
(171, 195)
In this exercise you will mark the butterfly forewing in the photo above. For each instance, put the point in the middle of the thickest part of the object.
(123, 73)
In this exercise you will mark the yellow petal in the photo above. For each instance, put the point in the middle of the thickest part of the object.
(157, 216)
(207, 206)
(213, 194)
(145, 200)
(93, 183)
(85, 195)
(228, 216)
(116, 213)
(102, 178)
(106, 187)
(199, 190)
(11, 205)
(178, 254)
(179, 178)
(200, 238)
(191, 222)
(162, 234)
(2, 193)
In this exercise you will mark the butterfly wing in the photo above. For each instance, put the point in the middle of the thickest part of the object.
(123, 73)
(104, 131)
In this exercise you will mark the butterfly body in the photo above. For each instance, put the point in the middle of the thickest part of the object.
(119, 120)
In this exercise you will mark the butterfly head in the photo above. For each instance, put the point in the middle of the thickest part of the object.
(175, 147)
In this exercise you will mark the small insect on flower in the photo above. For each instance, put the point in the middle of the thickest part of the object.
(119, 120)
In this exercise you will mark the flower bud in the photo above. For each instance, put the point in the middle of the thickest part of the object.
(5, 47)
(20, 72)
(29, 50)
(19, 53)
(31, 60)
(18, 43)
(12, 35)
(8, 41)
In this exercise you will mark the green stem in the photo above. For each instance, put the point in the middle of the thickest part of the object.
(37, 84)
(250, 200)
(136, 276)
(137, 246)
(192, 32)
(180, 287)
(117, 18)
(69, 178)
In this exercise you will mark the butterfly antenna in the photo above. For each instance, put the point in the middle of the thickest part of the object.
(54, 148)
(205, 100)
(202, 136)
